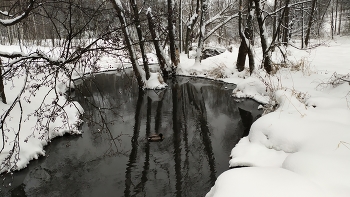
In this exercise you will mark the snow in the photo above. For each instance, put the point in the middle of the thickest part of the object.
(264, 181)
(156, 81)
(252, 88)
(302, 148)
(9, 21)
(307, 135)
(32, 138)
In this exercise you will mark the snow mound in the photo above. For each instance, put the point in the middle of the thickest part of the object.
(264, 181)
(26, 137)
(155, 81)
(252, 87)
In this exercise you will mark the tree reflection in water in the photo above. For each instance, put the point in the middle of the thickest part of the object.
(200, 121)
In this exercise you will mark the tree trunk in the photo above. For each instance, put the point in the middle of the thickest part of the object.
(245, 47)
(190, 26)
(180, 26)
(242, 53)
(311, 18)
(173, 48)
(340, 15)
(263, 37)
(159, 50)
(139, 73)
(302, 25)
(204, 6)
(332, 22)
(141, 39)
(336, 17)
(2, 90)
(285, 37)
(274, 18)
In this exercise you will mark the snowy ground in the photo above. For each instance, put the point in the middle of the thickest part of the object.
(300, 149)
(303, 147)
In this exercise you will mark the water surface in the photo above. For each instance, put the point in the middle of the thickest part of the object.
(200, 120)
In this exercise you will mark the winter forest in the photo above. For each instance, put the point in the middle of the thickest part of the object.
(289, 57)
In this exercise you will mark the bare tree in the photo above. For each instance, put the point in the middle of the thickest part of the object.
(139, 73)
(311, 18)
(10, 21)
(141, 38)
(52, 71)
(246, 44)
(204, 8)
(163, 63)
(173, 48)
(189, 27)
(263, 36)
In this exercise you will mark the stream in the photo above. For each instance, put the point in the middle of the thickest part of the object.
(198, 118)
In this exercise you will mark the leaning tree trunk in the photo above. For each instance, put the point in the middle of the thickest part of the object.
(2, 90)
(139, 73)
(263, 37)
(311, 18)
(141, 39)
(204, 7)
(159, 50)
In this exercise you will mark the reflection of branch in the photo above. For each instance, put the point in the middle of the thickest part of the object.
(147, 149)
(134, 143)
(185, 132)
(158, 118)
(196, 98)
(177, 140)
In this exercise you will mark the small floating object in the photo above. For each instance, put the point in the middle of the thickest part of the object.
(156, 138)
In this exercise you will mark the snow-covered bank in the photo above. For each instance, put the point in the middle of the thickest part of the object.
(25, 126)
(300, 149)
(303, 147)
(38, 110)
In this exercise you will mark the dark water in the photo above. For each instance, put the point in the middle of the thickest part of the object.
(200, 121)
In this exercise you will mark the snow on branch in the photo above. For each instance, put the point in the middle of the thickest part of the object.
(5, 13)
(218, 15)
(220, 25)
(284, 7)
(36, 55)
(17, 19)
(192, 19)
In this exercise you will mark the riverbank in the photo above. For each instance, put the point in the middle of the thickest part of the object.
(301, 147)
